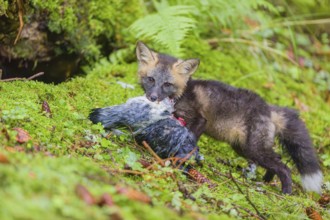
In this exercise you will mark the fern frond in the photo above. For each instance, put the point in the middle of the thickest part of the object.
(168, 27)
(226, 13)
(265, 4)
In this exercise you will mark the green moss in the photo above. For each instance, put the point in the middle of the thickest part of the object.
(3, 7)
(66, 149)
(88, 29)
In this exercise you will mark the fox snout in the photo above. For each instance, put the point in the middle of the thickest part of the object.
(153, 98)
(155, 95)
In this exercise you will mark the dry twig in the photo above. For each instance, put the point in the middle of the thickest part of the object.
(159, 160)
(247, 197)
(17, 78)
(248, 211)
(217, 172)
(186, 158)
(126, 171)
(20, 17)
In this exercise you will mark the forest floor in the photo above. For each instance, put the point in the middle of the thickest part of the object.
(55, 164)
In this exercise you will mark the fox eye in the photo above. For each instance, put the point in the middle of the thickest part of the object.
(167, 84)
(150, 79)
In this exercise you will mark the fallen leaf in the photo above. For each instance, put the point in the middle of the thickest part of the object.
(133, 194)
(10, 149)
(312, 214)
(324, 200)
(22, 135)
(144, 163)
(45, 108)
(85, 195)
(4, 159)
(15, 149)
(106, 199)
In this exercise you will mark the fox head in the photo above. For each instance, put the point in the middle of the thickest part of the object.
(161, 75)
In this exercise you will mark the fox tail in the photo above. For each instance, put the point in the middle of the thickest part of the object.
(294, 136)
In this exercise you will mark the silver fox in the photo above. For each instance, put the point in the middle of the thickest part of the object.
(238, 116)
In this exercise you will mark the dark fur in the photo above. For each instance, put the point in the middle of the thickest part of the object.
(228, 103)
(244, 120)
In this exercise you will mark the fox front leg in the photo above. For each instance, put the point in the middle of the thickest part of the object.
(197, 126)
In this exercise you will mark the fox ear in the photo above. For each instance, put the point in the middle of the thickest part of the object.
(144, 54)
(188, 67)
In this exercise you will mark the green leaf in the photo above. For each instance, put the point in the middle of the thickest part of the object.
(168, 27)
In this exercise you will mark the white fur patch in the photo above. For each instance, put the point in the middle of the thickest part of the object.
(312, 182)
(160, 110)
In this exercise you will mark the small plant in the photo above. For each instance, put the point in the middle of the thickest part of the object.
(169, 26)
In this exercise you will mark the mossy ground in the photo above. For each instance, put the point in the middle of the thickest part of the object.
(40, 179)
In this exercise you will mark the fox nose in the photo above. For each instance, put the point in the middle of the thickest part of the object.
(153, 98)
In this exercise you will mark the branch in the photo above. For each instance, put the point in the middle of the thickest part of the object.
(20, 17)
(126, 171)
(249, 212)
(247, 197)
(242, 183)
(183, 160)
(159, 160)
(17, 78)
